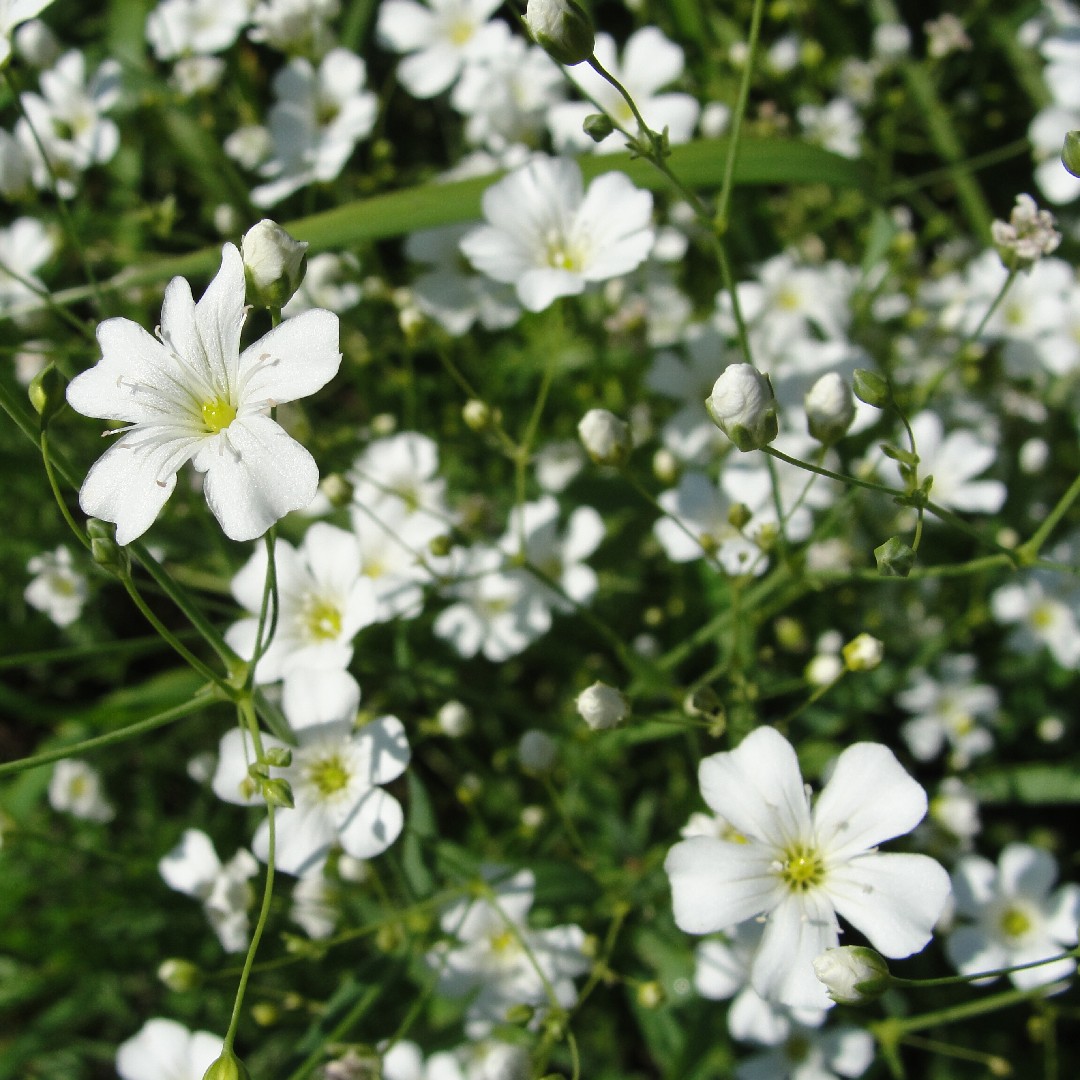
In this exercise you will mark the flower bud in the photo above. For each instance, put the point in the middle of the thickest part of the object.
(46, 392)
(852, 974)
(227, 1067)
(277, 793)
(562, 28)
(605, 437)
(863, 653)
(894, 558)
(1070, 153)
(743, 407)
(830, 408)
(871, 388)
(104, 549)
(454, 719)
(598, 126)
(602, 706)
(537, 752)
(179, 975)
(274, 264)
(477, 415)
(280, 757)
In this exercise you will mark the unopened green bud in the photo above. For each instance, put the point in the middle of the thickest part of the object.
(871, 388)
(1070, 153)
(650, 995)
(598, 126)
(894, 558)
(862, 653)
(227, 1067)
(280, 757)
(520, 1014)
(739, 515)
(104, 549)
(179, 975)
(277, 793)
(703, 702)
(562, 28)
(440, 545)
(274, 264)
(46, 393)
(477, 415)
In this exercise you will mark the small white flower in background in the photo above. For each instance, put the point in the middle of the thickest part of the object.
(57, 589)
(177, 28)
(314, 905)
(743, 406)
(488, 1059)
(319, 116)
(454, 719)
(25, 246)
(952, 822)
(335, 775)
(558, 463)
(864, 652)
(606, 438)
(951, 710)
(440, 38)
(944, 35)
(602, 706)
(75, 788)
(497, 957)
(194, 869)
(324, 601)
(13, 12)
(67, 120)
(891, 41)
(537, 752)
(837, 126)
(806, 1054)
(549, 237)
(249, 145)
(328, 283)
(193, 75)
(190, 395)
(1040, 617)
(649, 62)
(273, 263)
(1008, 915)
(299, 27)
(1027, 236)
(163, 1049)
(800, 868)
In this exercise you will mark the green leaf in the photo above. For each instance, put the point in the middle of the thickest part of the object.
(1029, 785)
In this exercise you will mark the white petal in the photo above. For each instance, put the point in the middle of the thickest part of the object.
(153, 1051)
(373, 826)
(312, 697)
(799, 929)
(220, 314)
(259, 477)
(192, 865)
(303, 838)
(869, 798)
(716, 884)
(303, 356)
(758, 788)
(1027, 871)
(893, 899)
(383, 749)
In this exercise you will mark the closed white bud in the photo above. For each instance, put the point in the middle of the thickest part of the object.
(863, 653)
(273, 264)
(562, 28)
(454, 719)
(37, 44)
(602, 706)
(852, 974)
(606, 438)
(743, 407)
(537, 752)
(830, 408)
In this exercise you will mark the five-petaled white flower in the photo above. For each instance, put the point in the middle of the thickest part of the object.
(800, 868)
(190, 394)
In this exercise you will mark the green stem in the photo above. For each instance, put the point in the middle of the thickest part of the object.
(269, 602)
(1031, 548)
(956, 980)
(370, 996)
(80, 533)
(140, 727)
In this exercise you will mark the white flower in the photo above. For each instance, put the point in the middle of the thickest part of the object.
(501, 959)
(57, 589)
(25, 245)
(1027, 236)
(193, 868)
(1010, 916)
(191, 395)
(836, 126)
(743, 406)
(649, 62)
(318, 118)
(606, 438)
(800, 868)
(439, 38)
(195, 27)
(302, 27)
(806, 1054)
(165, 1050)
(335, 775)
(68, 122)
(550, 238)
(1041, 617)
(13, 12)
(602, 706)
(329, 283)
(324, 601)
(75, 788)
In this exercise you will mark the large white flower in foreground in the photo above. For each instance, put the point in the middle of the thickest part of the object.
(800, 868)
(189, 394)
(550, 238)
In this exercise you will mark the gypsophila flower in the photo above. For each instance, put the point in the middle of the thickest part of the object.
(800, 868)
(57, 589)
(189, 394)
(165, 1050)
(75, 788)
(1028, 235)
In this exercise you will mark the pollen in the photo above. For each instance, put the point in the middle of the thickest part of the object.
(1015, 923)
(321, 620)
(802, 869)
(329, 775)
(217, 414)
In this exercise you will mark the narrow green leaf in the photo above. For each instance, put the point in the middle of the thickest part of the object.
(1029, 785)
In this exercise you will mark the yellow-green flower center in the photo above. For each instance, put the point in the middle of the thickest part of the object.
(502, 941)
(217, 414)
(322, 620)
(1042, 617)
(460, 31)
(802, 869)
(329, 775)
(1015, 923)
